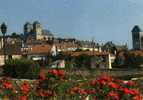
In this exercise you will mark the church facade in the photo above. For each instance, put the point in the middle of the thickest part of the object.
(35, 31)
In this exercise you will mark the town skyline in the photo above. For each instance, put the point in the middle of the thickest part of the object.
(102, 20)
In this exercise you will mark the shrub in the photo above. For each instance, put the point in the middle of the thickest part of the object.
(21, 68)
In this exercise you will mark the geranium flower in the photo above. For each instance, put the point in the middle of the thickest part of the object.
(114, 95)
(101, 82)
(49, 93)
(40, 93)
(137, 97)
(60, 73)
(56, 73)
(125, 90)
(113, 85)
(53, 71)
(82, 91)
(23, 97)
(7, 85)
(130, 83)
(25, 88)
(106, 87)
(134, 92)
(45, 93)
(42, 77)
(91, 91)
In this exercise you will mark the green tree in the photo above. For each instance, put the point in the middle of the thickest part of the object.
(21, 68)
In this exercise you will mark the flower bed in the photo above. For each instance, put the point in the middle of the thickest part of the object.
(106, 88)
(55, 85)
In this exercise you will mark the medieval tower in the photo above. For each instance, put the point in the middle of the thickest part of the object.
(137, 38)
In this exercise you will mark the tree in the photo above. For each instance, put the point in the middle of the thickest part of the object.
(21, 68)
(134, 58)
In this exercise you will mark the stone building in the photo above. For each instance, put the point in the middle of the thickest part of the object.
(28, 28)
(35, 31)
(137, 38)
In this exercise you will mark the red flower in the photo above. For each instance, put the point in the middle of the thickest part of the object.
(137, 97)
(42, 76)
(130, 83)
(60, 73)
(23, 98)
(48, 93)
(56, 72)
(25, 88)
(82, 91)
(53, 71)
(134, 92)
(113, 85)
(45, 93)
(99, 87)
(91, 91)
(114, 95)
(40, 93)
(101, 82)
(125, 90)
(7, 85)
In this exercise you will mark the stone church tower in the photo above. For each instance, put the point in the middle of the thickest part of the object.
(28, 28)
(35, 31)
(37, 28)
(137, 38)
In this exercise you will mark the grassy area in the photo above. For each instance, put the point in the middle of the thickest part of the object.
(119, 73)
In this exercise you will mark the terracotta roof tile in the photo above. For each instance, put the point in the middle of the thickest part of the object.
(90, 53)
(137, 52)
(40, 49)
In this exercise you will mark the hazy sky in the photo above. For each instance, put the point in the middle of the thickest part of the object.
(103, 20)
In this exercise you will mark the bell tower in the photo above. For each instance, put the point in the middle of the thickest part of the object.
(137, 38)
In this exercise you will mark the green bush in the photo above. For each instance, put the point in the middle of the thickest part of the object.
(21, 68)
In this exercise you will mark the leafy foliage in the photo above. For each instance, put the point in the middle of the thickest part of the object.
(21, 68)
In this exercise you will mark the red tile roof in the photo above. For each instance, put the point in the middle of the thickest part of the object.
(136, 53)
(40, 49)
(90, 53)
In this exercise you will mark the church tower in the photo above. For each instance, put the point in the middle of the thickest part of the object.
(28, 28)
(137, 38)
(37, 28)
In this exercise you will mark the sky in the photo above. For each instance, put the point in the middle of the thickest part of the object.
(101, 20)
